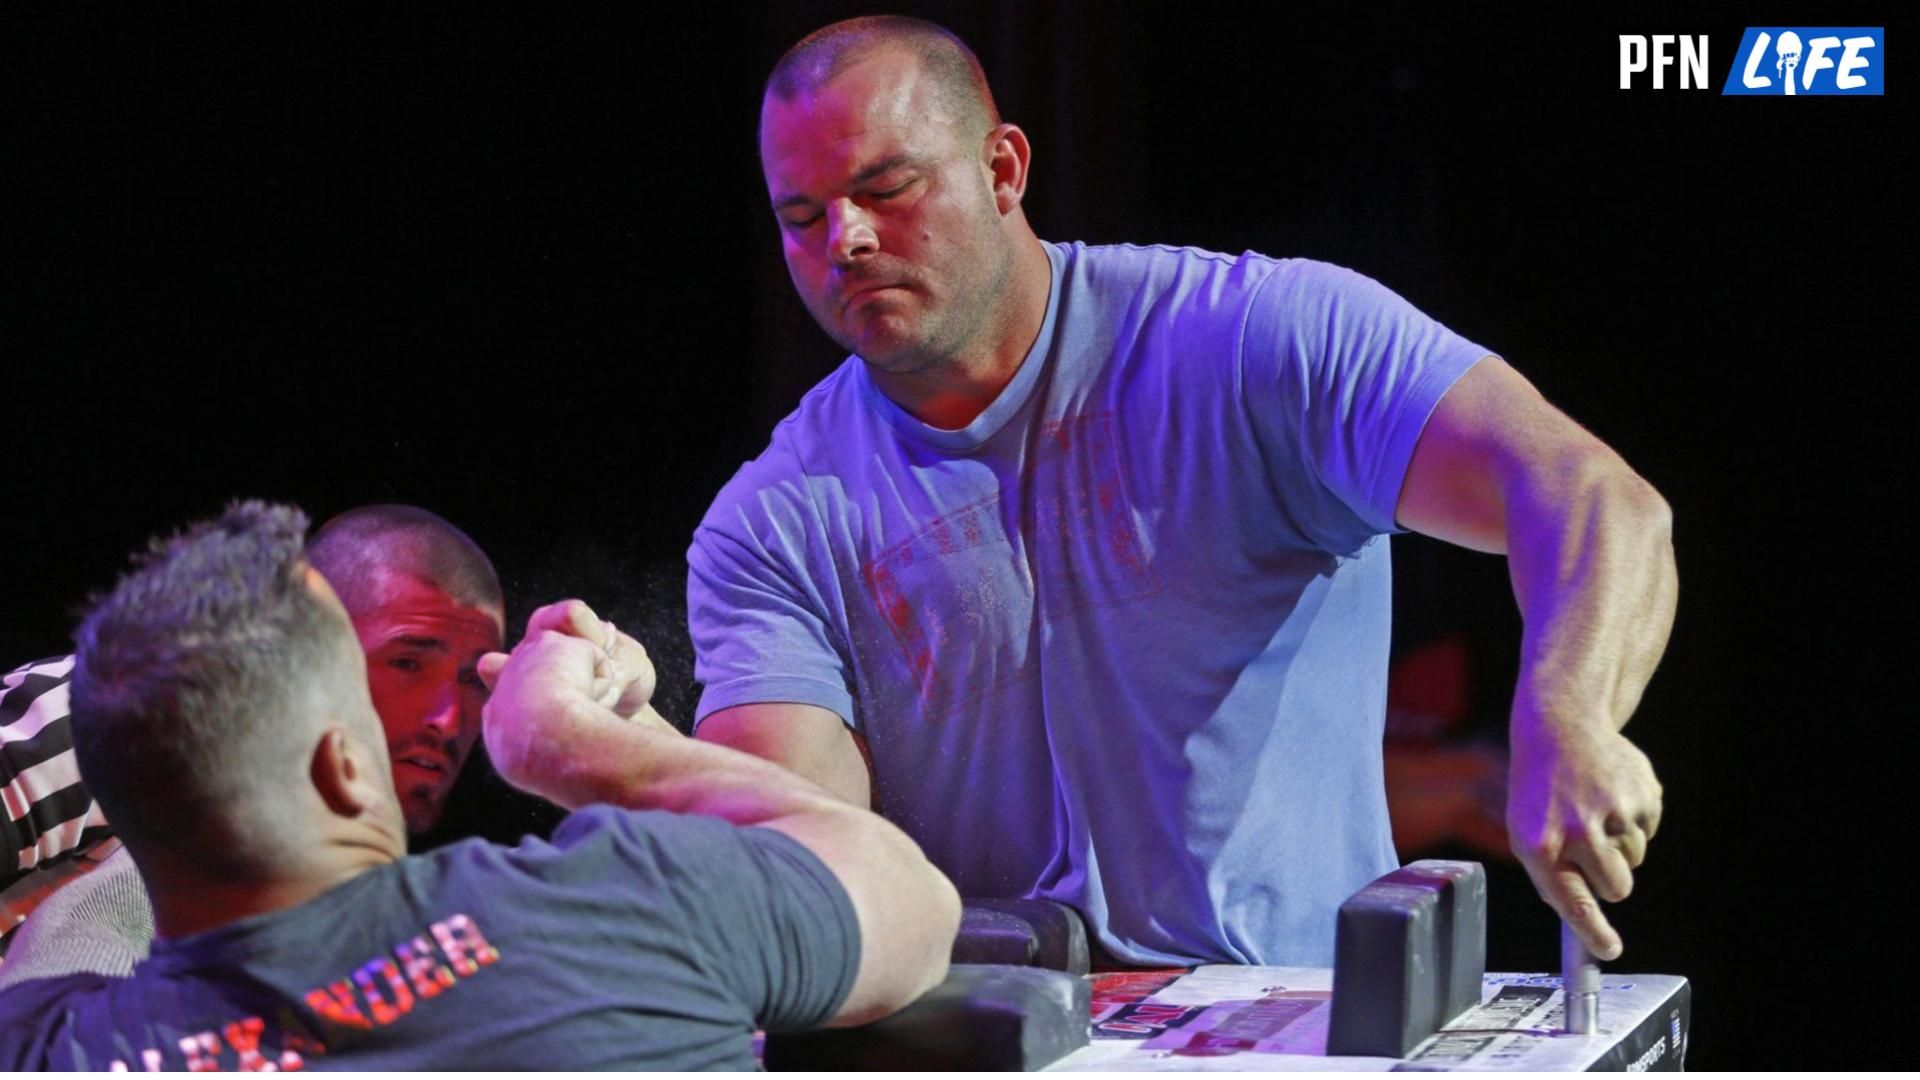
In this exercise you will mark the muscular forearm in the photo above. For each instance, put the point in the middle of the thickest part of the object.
(585, 754)
(1589, 548)
(1592, 567)
(808, 740)
(1590, 553)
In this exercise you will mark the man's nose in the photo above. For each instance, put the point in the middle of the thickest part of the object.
(850, 233)
(444, 716)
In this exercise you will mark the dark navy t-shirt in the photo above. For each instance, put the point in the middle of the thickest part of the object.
(630, 941)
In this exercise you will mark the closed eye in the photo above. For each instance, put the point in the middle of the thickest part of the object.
(807, 222)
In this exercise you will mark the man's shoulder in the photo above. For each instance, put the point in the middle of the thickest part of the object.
(685, 870)
(1172, 264)
(23, 689)
(1148, 254)
(34, 707)
(588, 822)
(1192, 292)
(34, 1013)
(1162, 263)
(654, 831)
(34, 713)
(1189, 289)
(55, 667)
(51, 814)
(777, 482)
(599, 832)
(676, 846)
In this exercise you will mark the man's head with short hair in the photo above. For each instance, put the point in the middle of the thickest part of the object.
(357, 549)
(898, 191)
(957, 83)
(426, 605)
(203, 683)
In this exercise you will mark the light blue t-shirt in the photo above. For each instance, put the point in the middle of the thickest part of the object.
(1121, 642)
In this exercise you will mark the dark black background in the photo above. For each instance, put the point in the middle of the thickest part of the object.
(513, 262)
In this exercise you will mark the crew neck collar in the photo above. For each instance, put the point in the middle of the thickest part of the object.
(1011, 398)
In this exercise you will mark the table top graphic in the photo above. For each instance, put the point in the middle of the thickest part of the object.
(1231, 1018)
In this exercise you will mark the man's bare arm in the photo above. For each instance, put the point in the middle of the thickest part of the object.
(1590, 554)
(805, 738)
(546, 734)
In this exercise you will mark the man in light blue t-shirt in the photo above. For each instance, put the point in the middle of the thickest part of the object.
(1088, 545)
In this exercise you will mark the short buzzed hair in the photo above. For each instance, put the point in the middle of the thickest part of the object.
(354, 549)
(199, 684)
(959, 83)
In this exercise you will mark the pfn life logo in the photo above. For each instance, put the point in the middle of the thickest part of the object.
(1808, 60)
(1686, 51)
(1787, 61)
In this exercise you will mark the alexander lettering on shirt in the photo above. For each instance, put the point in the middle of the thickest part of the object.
(375, 994)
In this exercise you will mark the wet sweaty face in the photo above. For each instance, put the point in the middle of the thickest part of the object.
(423, 648)
(887, 216)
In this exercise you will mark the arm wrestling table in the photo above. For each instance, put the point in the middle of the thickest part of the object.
(1416, 997)
(1228, 1018)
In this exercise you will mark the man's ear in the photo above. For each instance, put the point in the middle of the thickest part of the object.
(1008, 157)
(347, 779)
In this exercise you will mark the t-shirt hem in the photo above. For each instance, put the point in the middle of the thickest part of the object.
(1434, 382)
(767, 689)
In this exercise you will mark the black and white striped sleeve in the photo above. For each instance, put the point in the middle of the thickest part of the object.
(45, 812)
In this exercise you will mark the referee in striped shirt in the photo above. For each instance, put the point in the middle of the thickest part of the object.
(48, 822)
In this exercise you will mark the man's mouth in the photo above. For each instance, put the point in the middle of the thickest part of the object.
(426, 762)
(864, 290)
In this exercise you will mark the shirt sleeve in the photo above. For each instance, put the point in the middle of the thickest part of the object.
(773, 924)
(759, 624)
(1341, 375)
